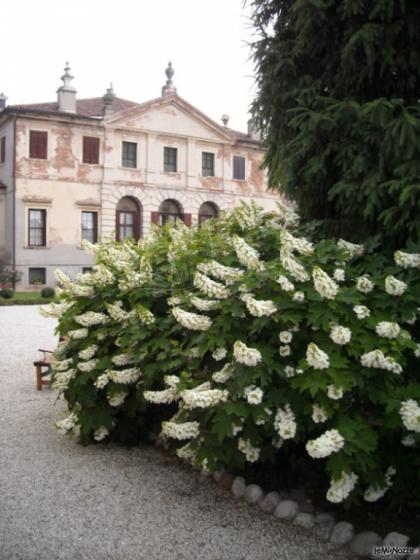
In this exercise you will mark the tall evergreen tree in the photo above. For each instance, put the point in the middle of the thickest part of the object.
(338, 106)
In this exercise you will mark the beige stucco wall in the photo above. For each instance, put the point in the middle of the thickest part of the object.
(64, 186)
(6, 195)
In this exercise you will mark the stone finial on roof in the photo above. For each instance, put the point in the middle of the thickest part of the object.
(3, 100)
(225, 119)
(169, 88)
(66, 94)
(108, 98)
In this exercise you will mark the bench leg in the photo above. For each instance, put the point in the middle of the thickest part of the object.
(38, 378)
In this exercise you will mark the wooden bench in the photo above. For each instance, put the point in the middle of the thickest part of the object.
(42, 368)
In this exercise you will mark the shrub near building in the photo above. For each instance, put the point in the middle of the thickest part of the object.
(239, 338)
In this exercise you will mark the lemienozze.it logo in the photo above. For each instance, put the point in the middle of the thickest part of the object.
(394, 551)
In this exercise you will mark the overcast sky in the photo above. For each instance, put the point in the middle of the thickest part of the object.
(130, 42)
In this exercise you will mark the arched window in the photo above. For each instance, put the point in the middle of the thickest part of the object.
(128, 219)
(170, 211)
(207, 210)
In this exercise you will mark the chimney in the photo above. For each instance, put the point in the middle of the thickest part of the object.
(225, 119)
(66, 94)
(169, 88)
(108, 99)
(3, 100)
(253, 131)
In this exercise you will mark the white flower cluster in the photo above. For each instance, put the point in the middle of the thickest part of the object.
(334, 393)
(161, 397)
(258, 308)
(91, 318)
(410, 415)
(285, 283)
(100, 433)
(340, 489)
(319, 414)
(219, 354)
(285, 350)
(290, 371)
(117, 398)
(247, 215)
(204, 304)
(210, 287)
(125, 376)
(331, 441)
(364, 284)
(285, 422)
(191, 321)
(186, 430)
(82, 291)
(253, 394)
(174, 300)
(339, 275)
(340, 335)
(293, 266)
(101, 381)
(251, 453)
(285, 337)
(88, 352)
(122, 359)
(54, 310)
(298, 296)
(351, 249)
(387, 329)
(145, 316)
(362, 312)
(377, 359)
(63, 378)
(375, 493)
(290, 243)
(224, 374)
(228, 274)
(247, 255)
(324, 284)
(417, 351)
(245, 355)
(408, 441)
(287, 214)
(90, 365)
(203, 397)
(67, 424)
(131, 279)
(117, 313)
(394, 287)
(407, 260)
(61, 365)
(317, 358)
(78, 334)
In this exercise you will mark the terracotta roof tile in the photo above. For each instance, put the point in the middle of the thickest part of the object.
(92, 107)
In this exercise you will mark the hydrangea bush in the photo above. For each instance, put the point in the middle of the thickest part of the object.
(238, 338)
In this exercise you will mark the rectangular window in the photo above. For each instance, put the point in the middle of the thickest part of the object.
(87, 269)
(169, 160)
(38, 144)
(239, 168)
(37, 228)
(3, 149)
(129, 154)
(207, 164)
(90, 150)
(37, 276)
(90, 226)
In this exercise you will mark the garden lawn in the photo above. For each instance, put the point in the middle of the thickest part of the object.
(25, 298)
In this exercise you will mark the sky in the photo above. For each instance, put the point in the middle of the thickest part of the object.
(129, 43)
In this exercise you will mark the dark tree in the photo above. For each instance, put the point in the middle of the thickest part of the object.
(338, 106)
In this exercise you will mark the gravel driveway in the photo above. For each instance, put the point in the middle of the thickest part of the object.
(59, 500)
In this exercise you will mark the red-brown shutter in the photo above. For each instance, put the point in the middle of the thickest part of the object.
(136, 225)
(90, 150)
(187, 220)
(3, 150)
(117, 225)
(155, 218)
(38, 144)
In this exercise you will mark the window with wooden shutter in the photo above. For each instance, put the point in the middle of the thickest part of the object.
(90, 150)
(3, 149)
(239, 168)
(38, 144)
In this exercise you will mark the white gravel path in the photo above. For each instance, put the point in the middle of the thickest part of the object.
(59, 500)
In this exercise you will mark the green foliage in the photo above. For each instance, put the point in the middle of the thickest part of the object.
(337, 102)
(9, 276)
(146, 348)
(47, 292)
(6, 293)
